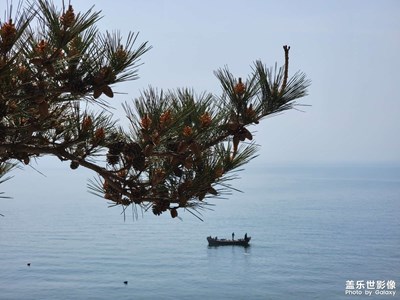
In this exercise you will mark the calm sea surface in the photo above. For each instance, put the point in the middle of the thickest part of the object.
(313, 228)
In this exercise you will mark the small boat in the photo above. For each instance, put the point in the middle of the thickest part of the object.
(225, 242)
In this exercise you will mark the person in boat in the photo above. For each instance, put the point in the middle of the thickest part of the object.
(245, 236)
(233, 236)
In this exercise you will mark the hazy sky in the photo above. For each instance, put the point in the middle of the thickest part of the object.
(349, 49)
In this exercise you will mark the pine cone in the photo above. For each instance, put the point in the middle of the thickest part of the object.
(159, 207)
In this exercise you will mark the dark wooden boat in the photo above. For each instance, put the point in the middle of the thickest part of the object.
(224, 242)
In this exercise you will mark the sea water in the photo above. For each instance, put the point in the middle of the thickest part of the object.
(318, 232)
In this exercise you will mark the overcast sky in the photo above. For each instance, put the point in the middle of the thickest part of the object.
(349, 49)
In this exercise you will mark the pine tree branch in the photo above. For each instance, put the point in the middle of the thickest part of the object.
(181, 149)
